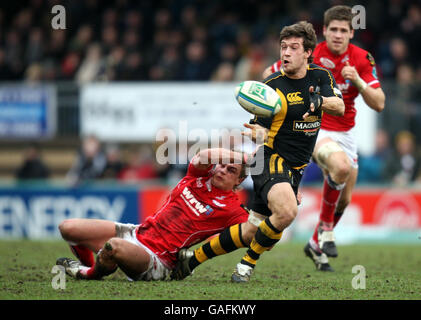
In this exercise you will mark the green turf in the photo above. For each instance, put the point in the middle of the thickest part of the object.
(393, 272)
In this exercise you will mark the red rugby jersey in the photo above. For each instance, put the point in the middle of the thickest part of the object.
(366, 68)
(194, 211)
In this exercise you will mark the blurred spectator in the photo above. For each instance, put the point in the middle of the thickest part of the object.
(90, 162)
(224, 72)
(140, 165)
(32, 167)
(195, 66)
(114, 164)
(403, 166)
(82, 40)
(371, 167)
(92, 67)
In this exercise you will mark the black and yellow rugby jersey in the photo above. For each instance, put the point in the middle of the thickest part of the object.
(290, 136)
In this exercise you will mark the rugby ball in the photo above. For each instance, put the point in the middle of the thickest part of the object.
(258, 98)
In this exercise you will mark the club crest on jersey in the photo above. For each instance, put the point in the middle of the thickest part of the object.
(196, 206)
(327, 63)
(295, 98)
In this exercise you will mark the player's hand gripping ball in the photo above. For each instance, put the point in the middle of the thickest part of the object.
(258, 98)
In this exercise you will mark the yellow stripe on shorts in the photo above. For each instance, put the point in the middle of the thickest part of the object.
(272, 163)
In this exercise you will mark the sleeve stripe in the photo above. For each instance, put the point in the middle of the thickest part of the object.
(373, 82)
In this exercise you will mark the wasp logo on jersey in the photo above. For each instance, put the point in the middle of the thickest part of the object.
(294, 98)
(309, 126)
(194, 205)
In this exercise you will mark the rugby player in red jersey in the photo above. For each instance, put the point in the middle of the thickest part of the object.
(335, 152)
(202, 204)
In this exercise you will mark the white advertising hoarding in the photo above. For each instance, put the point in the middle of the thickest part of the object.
(129, 112)
(136, 111)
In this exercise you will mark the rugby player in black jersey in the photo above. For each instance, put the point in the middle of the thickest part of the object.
(306, 90)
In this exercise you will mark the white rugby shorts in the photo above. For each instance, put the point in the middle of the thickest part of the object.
(156, 269)
(346, 140)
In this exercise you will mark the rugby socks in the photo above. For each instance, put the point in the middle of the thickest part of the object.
(331, 193)
(265, 238)
(227, 241)
(84, 255)
(101, 267)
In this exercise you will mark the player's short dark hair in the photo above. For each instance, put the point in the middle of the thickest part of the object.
(341, 13)
(304, 30)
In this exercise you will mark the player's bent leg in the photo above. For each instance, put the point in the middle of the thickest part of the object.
(91, 233)
(86, 236)
(338, 167)
(229, 240)
(132, 259)
(283, 205)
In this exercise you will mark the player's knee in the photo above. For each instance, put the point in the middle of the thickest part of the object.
(341, 171)
(113, 246)
(67, 228)
(283, 213)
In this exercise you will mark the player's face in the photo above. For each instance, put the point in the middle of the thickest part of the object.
(293, 55)
(338, 34)
(226, 176)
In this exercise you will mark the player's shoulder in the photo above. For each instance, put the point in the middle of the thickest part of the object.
(356, 50)
(360, 55)
(318, 70)
(274, 76)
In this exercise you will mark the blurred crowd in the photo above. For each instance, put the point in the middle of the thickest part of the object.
(185, 39)
(198, 40)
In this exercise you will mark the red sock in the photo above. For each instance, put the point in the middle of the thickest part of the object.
(89, 273)
(329, 200)
(85, 255)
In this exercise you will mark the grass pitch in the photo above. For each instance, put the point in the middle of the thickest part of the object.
(392, 272)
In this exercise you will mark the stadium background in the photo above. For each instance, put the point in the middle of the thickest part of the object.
(121, 70)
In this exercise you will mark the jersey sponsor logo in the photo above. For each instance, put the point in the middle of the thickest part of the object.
(196, 206)
(294, 98)
(309, 126)
(327, 63)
